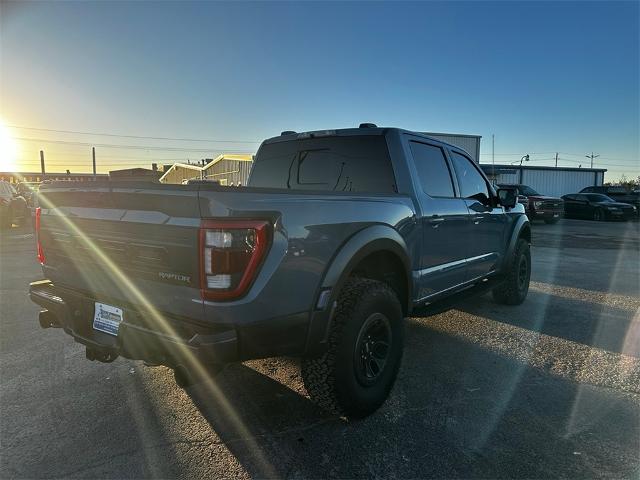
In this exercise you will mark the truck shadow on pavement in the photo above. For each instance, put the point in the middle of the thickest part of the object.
(457, 410)
(587, 321)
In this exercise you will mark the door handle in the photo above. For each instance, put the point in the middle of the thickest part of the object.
(436, 221)
(477, 218)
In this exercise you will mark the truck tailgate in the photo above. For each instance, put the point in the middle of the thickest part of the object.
(133, 244)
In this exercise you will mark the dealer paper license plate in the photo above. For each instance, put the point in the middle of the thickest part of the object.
(107, 318)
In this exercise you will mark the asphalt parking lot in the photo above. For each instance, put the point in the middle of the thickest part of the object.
(550, 388)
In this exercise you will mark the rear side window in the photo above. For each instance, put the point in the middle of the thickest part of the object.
(340, 164)
(433, 171)
(471, 183)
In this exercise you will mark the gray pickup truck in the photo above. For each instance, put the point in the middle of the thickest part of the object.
(338, 236)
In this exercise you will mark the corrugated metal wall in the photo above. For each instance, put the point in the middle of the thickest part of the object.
(468, 143)
(556, 182)
(231, 171)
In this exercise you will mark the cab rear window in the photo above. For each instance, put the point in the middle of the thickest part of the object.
(339, 164)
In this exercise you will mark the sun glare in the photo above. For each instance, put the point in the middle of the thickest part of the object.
(8, 150)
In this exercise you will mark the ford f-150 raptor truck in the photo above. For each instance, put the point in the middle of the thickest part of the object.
(337, 238)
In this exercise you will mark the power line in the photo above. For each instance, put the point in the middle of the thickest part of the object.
(113, 145)
(133, 136)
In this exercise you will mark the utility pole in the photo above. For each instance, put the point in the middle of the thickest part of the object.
(592, 156)
(556, 159)
(93, 154)
(42, 164)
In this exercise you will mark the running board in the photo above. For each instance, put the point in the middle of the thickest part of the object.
(452, 301)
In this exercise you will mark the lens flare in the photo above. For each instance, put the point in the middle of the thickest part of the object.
(8, 150)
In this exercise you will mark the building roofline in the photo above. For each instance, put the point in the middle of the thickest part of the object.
(487, 168)
(183, 165)
(55, 174)
(241, 157)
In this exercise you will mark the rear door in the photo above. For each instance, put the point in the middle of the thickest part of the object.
(444, 219)
(488, 221)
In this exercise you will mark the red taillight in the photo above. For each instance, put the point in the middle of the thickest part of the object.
(41, 258)
(230, 253)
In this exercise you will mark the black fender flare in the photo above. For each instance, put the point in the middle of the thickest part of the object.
(376, 238)
(522, 228)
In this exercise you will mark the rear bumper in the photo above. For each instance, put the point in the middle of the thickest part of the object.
(161, 340)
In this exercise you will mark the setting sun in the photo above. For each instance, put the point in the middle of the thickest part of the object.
(8, 150)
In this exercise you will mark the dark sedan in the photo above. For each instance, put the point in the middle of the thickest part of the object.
(597, 207)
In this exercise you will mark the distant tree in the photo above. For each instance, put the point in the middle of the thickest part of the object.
(628, 183)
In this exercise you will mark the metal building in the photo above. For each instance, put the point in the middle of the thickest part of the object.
(552, 181)
(179, 173)
(469, 143)
(229, 169)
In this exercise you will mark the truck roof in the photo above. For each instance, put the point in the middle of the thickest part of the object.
(340, 132)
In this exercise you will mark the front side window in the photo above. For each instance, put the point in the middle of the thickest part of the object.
(599, 198)
(433, 171)
(471, 183)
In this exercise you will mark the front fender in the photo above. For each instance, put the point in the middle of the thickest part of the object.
(521, 228)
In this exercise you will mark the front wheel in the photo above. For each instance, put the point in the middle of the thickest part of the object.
(598, 215)
(516, 283)
(356, 373)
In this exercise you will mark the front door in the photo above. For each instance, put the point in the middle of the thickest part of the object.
(444, 219)
(488, 222)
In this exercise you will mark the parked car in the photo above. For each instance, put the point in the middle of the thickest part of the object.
(537, 206)
(617, 193)
(28, 190)
(597, 207)
(338, 236)
(13, 207)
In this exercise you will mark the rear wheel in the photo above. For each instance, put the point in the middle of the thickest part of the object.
(516, 283)
(356, 373)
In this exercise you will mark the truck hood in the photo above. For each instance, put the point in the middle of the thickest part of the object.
(544, 197)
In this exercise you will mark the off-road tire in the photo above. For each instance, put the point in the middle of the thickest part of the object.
(333, 379)
(515, 287)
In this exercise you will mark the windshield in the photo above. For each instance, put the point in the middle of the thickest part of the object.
(526, 190)
(340, 164)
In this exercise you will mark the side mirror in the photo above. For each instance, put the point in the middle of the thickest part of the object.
(508, 197)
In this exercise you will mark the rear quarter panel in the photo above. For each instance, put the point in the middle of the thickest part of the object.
(309, 230)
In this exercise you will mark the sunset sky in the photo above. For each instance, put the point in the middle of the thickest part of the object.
(542, 77)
